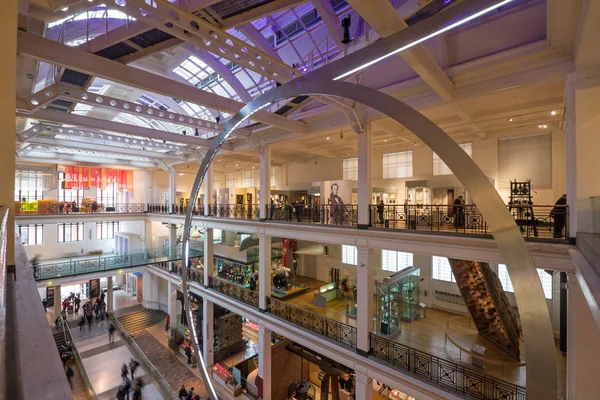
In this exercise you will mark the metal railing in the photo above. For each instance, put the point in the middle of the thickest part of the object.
(76, 355)
(107, 263)
(163, 386)
(119, 208)
(534, 221)
(236, 211)
(327, 327)
(233, 290)
(446, 374)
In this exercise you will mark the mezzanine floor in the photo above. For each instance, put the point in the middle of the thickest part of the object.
(428, 335)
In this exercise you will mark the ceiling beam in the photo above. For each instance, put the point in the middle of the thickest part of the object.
(220, 69)
(76, 145)
(258, 39)
(176, 21)
(150, 50)
(126, 129)
(79, 60)
(114, 36)
(331, 21)
(259, 12)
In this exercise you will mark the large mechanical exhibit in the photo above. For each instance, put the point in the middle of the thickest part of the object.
(488, 305)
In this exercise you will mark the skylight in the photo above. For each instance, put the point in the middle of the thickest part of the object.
(197, 111)
(193, 70)
(148, 101)
(96, 14)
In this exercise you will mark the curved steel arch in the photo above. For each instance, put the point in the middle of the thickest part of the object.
(535, 318)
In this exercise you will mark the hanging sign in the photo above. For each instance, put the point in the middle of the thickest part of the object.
(50, 296)
(94, 288)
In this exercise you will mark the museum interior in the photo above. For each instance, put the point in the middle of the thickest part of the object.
(300, 199)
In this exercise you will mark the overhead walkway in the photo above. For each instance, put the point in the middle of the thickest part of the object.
(103, 263)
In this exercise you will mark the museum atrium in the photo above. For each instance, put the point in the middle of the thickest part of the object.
(300, 199)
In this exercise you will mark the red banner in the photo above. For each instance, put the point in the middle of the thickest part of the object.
(284, 249)
(86, 177)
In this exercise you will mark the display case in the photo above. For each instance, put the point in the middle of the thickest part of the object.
(397, 300)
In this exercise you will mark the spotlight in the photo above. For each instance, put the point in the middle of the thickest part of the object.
(510, 119)
(327, 137)
(346, 25)
(553, 113)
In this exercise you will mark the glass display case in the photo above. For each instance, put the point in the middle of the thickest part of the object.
(397, 300)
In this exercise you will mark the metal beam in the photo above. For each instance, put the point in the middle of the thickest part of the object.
(259, 12)
(114, 36)
(150, 50)
(95, 123)
(103, 148)
(220, 69)
(59, 54)
(178, 22)
(259, 40)
(331, 21)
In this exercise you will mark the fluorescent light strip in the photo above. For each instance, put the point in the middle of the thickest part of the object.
(421, 40)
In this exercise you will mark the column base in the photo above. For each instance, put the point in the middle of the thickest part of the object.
(573, 241)
(262, 310)
(362, 353)
(362, 226)
(262, 219)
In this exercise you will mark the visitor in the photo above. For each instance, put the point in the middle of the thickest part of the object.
(76, 302)
(459, 212)
(559, 214)
(124, 371)
(272, 209)
(61, 207)
(380, 208)
(111, 333)
(182, 393)
(133, 364)
(82, 324)
(190, 394)
(35, 264)
(298, 207)
(45, 304)
(137, 391)
(69, 373)
(121, 393)
(188, 353)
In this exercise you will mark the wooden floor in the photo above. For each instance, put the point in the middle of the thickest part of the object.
(427, 335)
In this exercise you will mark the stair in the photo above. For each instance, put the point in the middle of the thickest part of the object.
(141, 320)
(59, 338)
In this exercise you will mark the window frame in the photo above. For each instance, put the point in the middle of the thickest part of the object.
(79, 231)
(350, 169)
(38, 233)
(442, 168)
(106, 229)
(349, 255)
(440, 269)
(545, 280)
(399, 259)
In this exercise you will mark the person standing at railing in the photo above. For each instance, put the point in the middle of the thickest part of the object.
(459, 212)
(45, 304)
(380, 208)
(272, 209)
(559, 214)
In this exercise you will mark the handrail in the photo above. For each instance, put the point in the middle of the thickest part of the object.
(117, 208)
(3, 290)
(163, 386)
(76, 355)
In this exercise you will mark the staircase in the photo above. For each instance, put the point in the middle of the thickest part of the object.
(59, 338)
(141, 320)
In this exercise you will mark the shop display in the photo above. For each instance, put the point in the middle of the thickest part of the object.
(487, 303)
(521, 206)
(241, 274)
(397, 299)
(325, 294)
(283, 287)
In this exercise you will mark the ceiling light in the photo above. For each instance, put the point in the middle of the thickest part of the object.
(426, 37)
(510, 119)
(64, 9)
(327, 137)
(180, 174)
(540, 126)
(236, 165)
(553, 113)
(385, 140)
(545, 126)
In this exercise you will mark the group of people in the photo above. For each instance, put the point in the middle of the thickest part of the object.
(187, 395)
(130, 385)
(90, 309)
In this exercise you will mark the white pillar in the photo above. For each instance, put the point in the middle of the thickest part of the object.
(571, 148)
(264, 359)
(172, 307)
(57, 303)
(264, 270)
(147, 189)
(172, 245)
(208, 331)
(172, 188)
(265, 182)
(209, 264)
(364, 301)
(208, 191)
(109, 294)
(126, 283)
(155, 289)
(364, 177)
(583, 346)
(364, 387)
(147, 279)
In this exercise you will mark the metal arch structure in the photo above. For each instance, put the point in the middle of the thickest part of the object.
(535, 318)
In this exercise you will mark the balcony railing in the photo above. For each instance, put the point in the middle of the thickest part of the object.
(32, 208)
(534, 221)
(233, 290)
(327, 327)
(444, 373)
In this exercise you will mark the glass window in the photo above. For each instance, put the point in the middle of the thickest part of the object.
(29, 185)
(70, 232)
(395, 261)
(441, 269)
(398, 165)
(272, 177)
(217, 235)
(68, 195)
(106, 196)
(248, 179)
(349, 255)
(440, 168)
(545, 279)
(106, 230)
(350, 169)
(31, 235)
(230, 180)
